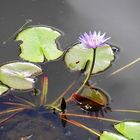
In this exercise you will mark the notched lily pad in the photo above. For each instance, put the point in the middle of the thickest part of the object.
(39, 42)
(3, 89)
(77, 57)
(19, 75)
(130, 130)
(111, 136)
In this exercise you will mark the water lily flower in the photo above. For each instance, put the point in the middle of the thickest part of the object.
(93, 40)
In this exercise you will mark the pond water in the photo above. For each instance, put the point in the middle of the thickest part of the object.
(118, 18)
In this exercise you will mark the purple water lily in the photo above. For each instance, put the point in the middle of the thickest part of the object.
(93, 40)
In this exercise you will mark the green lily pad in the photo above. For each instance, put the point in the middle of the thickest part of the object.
(3, 89)
(95, 94)
(77, 57)
(111, 136)
(19, 75)
(39, 42)
(130, 130)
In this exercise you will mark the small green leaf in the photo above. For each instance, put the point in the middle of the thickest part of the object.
(130, 130)
(3, 89)
(19, 75)
(111, 136)
(39, 42)
(76, 58)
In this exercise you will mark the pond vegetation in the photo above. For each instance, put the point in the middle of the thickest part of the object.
(90, 55)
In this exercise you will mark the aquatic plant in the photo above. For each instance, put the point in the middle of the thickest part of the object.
(93, 40)
(39, 43)
(90, 55)
(60, 106)
(18, 75)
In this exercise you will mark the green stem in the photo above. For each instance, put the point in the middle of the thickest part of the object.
(50, 106)
(90, 72)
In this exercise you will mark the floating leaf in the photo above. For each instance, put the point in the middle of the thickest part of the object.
(91, 99)
(77, 57)
(39, 42)
(95, 94)
(130, 130)
(3, 89)
(111, 136)
(19, 75)
(85, 103)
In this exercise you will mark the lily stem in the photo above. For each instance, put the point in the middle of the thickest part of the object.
(90, 72)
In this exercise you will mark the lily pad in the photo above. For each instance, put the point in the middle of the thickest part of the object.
(111, 136)
(130, 130)
(3, 89)
(95, 94)
(39, 42)
(92, 99)
(77, 57)
(19, 75)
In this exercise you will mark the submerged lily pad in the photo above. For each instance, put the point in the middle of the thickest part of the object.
(77, 57)
(19, 75)
(130, 130)
(39, 42)
(111, 136)
(92, 99)
(95, 94)
(3, 89)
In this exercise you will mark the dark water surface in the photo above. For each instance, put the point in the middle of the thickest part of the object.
(120, 19)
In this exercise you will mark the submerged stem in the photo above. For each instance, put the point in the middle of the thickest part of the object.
(25, 101)
(92, 117)
(9, 117)
(14, 34)
(95, 132)
(57, 103)
(125, 67)
(50, 106)
(16, 104)
(126, 110)
(43, 98)
(11, 110)
(90, 72)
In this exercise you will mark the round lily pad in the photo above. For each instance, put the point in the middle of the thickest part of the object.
(92, 99)
(39, 43)
(130, 130)
(3, 89)
(76, 58)
(111, 136)
(19, 75)
(95, 94)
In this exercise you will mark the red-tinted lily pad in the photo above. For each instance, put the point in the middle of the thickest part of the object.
(91, 99)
